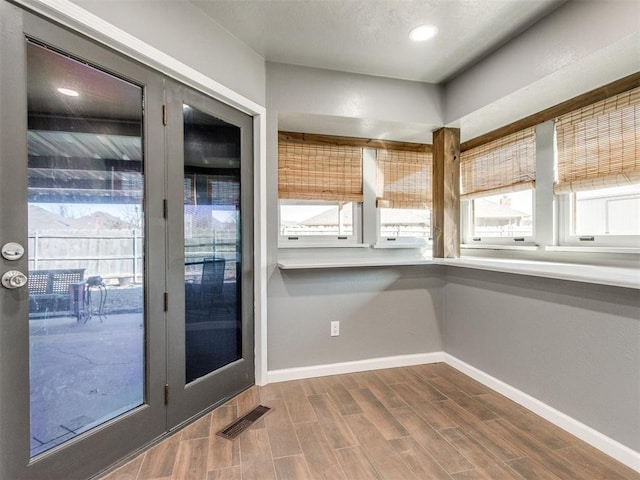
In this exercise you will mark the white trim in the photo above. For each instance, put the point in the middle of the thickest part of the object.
(611, 447)
(260, 250)
(82, 21)
(488, 246)
(586, 249)
(303, 244)
(567, 239)
(285, 374)
(400, 244)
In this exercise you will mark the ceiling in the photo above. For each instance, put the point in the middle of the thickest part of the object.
(371, 36)
(99, 94)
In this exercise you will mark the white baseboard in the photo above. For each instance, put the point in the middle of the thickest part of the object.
(611, 447)
(286, 374)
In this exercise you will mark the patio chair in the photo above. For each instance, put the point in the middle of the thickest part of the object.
(206, 295)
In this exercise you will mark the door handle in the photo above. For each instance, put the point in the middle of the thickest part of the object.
(14, 279)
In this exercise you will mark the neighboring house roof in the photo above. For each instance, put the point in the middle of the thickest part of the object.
(487, 209)
(44, 220)
(329, 217)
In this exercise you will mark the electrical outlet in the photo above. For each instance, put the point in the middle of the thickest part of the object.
(335, 329)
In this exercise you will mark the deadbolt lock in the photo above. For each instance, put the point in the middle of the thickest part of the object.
(14, 279)
(12, 251)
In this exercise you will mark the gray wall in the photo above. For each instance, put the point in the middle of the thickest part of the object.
(382, 311)
(574, 346)
(580, 46)
(184, 32)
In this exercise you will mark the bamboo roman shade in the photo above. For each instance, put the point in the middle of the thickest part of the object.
(404, 179)
(308, 171)
(504, 165)
(598, 145)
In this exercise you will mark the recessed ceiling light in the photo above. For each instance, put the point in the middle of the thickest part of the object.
(423, 32)
(68, 92)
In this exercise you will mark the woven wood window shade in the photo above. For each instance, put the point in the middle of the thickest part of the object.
(308, 171)
(598, 145)
(501, 166)
(404, 179)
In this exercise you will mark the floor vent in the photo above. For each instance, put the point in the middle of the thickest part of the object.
(243, 423)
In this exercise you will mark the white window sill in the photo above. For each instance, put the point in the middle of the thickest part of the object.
(484, 246)
(587, 249)
(614, 276)
(321, 245)
(400, 245)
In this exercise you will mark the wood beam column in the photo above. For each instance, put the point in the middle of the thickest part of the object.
(446, 193)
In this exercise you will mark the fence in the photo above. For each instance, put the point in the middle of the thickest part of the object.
(116, 254)
(119, 254)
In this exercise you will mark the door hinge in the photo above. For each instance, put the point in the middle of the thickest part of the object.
(166, 394)
(166, 301)
(165, 208)
(164, 115)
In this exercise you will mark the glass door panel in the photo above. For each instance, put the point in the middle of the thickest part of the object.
(210, 282)
(212, 239)
(86, 247)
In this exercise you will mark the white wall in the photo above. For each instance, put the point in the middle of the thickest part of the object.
(184, 32)
(337, 103)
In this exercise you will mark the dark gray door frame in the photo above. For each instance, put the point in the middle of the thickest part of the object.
(207, 392)
(95, 450)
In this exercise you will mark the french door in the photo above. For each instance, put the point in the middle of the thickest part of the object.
(125, 305)
(210, 238)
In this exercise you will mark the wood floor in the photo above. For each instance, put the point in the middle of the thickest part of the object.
(421, 422)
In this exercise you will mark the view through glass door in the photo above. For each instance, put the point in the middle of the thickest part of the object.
(210, 215)
(82, 324)
(86, 247)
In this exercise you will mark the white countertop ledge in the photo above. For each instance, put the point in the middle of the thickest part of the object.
(309, 263)
(600, 275)
(614, 276)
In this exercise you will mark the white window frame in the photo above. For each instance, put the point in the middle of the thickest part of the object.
(542, 215)
(291, 241)
(469, 239)
(383, 241)
(372, 212)
(567, 238)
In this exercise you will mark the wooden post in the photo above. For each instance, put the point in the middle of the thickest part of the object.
(446, 193)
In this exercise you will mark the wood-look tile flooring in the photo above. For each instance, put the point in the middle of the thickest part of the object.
(421, 422)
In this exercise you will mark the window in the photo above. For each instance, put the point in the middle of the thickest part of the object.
(598, 179)
(315, 218)
(320, 192)
(506, 215)
(497, 190)
(403, 197)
